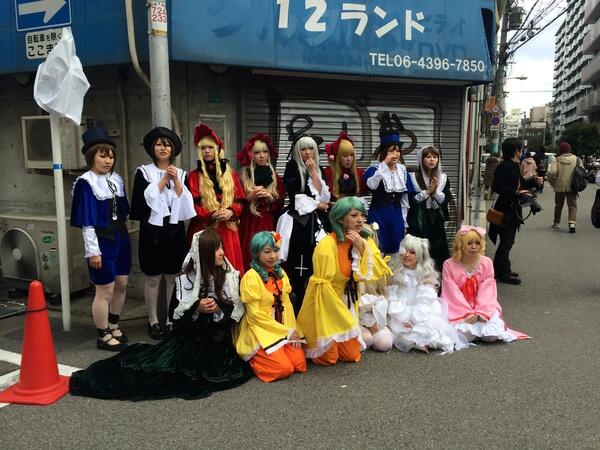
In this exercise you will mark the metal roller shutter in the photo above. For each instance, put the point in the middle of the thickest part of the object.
(433, 113)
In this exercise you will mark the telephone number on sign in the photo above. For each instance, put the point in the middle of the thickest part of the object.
(427, 63)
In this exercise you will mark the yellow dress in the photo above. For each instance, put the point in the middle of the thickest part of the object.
(258, 327)
(325, 316)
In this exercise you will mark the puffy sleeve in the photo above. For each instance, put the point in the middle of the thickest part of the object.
(239, 196)
(277, 204)
(371, 265)
(374, 175)
(458, 306)
(268, 331)
(139, 207)
(203, 215)
(84, 212)
(487, 295)
(182, 207)
(291, 179)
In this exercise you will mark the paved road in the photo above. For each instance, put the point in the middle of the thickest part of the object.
(540, 393)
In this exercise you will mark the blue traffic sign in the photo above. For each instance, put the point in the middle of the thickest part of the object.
(40, 14)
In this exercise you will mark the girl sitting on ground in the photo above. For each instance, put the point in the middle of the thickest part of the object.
(269, 338)
(416, 316)
(329, 313)
(469, 290)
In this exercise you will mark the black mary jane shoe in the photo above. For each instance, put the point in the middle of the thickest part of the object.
(168, 329)
(102, 344)
(155, 332)
(122, 337)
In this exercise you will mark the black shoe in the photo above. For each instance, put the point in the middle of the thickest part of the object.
(514, 274)
(155, 331)
(121, 337)
(104, 345)
(510, 280)
(571, 228)
(168, 329)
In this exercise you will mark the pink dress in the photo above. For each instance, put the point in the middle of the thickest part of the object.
(475, 293)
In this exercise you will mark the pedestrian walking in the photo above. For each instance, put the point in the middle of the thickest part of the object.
(560, 176)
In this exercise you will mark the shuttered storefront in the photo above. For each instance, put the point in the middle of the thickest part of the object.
(432, 113)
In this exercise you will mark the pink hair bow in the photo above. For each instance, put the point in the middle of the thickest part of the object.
(464, 229)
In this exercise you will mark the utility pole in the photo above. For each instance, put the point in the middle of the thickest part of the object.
(160, 85)
(498, 87)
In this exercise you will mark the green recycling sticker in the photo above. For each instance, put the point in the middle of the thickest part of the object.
(48, 238)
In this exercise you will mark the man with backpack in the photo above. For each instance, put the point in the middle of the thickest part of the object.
(560, 176)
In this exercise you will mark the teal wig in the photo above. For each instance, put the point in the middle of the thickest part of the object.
(341, 208)
(259, 241)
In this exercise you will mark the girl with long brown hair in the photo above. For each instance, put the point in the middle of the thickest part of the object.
(429, 203)
(195, 360)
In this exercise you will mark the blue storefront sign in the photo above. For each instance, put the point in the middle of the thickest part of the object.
(436, 39)
(40, 14)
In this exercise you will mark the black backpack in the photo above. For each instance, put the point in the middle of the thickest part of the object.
(596, 210)
(579, 181)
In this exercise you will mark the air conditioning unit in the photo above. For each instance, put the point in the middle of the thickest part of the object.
(29, 251)
(37, 143)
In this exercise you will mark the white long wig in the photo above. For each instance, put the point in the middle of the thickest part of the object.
(425, 270)
(305, 142)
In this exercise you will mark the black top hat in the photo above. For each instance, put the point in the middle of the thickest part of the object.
(93, 136)
(159, 132)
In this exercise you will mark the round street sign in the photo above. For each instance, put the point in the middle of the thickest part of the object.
(495, 120)
(496, 109)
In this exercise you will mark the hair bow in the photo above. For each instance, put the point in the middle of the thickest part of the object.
(276, 238)
(464, 229)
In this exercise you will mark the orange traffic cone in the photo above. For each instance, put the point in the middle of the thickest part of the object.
(39, 381)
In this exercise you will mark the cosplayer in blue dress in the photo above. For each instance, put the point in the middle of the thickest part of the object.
(390, 185)
(100, 208)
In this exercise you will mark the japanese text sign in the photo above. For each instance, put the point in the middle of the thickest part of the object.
(437, 39)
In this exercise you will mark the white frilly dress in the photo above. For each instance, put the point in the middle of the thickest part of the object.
(419, 305)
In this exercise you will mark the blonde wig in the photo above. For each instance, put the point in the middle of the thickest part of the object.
(248, 176)
(462, 240)
(345, 148)
(225, 180)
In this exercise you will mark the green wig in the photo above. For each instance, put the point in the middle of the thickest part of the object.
(259, 241)
(341, 208)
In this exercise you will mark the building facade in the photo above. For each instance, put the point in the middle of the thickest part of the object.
(252, 67)
(570, 83)
(512, 123)
(589, 106)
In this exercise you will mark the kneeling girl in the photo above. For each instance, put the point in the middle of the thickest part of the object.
(269, 337)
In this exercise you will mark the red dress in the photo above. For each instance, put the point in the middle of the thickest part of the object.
(251, 224)
(203, 219)
(347, 185)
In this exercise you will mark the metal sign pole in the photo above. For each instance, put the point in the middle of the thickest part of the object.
(159, 64)
(59, 195)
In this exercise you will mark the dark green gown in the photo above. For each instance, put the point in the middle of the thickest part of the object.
(197, 359)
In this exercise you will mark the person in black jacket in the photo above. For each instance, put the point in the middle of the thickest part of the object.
(508, 187)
